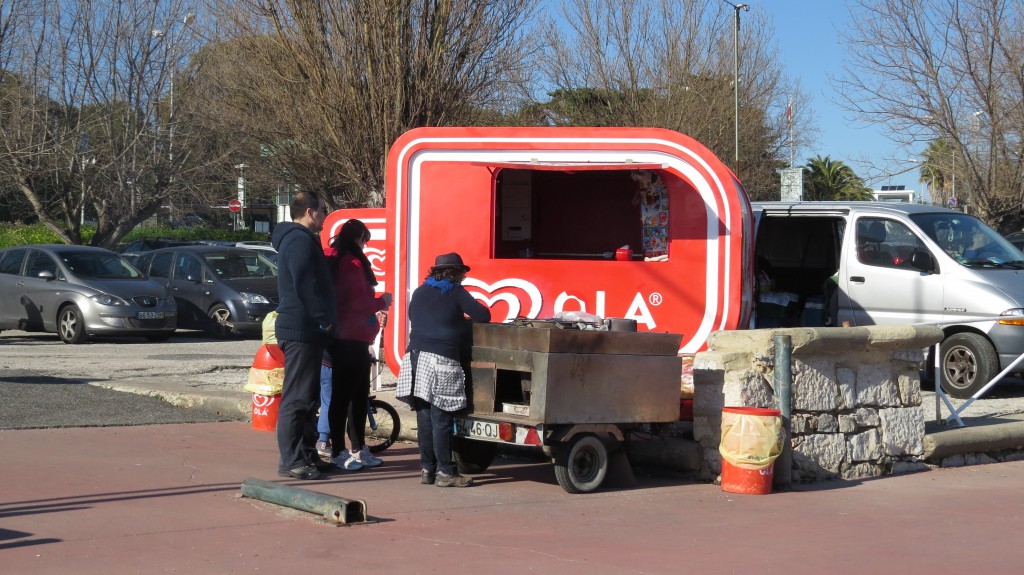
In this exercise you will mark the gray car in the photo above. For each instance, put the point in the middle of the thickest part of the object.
(81, 291)
(222, 290)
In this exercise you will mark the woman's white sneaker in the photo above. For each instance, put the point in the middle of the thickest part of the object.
(366, 458)
(347, 461)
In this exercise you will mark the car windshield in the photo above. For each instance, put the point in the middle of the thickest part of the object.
(236, 265)
(968, 240)
(99, 265)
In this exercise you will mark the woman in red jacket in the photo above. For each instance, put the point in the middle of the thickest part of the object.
(357, 327)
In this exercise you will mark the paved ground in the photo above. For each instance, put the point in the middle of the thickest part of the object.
(165, 498)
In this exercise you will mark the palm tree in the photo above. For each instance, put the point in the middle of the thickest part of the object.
(833, 180)
(937, 171)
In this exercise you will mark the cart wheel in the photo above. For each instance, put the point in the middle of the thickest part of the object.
(581, 464)
(472, 456)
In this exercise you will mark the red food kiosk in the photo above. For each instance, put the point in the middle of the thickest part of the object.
(637, 223)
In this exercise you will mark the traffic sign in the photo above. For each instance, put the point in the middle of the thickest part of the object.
(235, 206)
(952, 202)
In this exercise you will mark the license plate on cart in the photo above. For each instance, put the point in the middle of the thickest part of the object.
(477, 429)
(150, 315)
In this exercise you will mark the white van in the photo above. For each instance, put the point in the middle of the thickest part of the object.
(874, 263)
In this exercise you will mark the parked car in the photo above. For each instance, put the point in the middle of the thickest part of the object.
(81, 291)
(263, 247)
(1017, 239)
(190, 221)
(223, 290)
(132, 251)
(255, 245)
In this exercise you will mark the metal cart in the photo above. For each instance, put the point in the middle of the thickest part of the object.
(573, 393)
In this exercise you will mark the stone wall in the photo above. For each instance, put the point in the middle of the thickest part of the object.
(855, 396)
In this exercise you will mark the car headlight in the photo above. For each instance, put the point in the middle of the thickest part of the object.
(253, 298)
(104, 299)
(1014, 316)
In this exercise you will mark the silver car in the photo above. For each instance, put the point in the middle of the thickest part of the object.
(81, 291)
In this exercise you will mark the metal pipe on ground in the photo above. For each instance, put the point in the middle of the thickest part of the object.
(334, 509)
(783, 384)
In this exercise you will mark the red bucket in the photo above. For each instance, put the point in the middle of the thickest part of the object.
(748, 479)
(264, 411)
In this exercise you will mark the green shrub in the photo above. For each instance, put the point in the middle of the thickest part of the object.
(21, 234)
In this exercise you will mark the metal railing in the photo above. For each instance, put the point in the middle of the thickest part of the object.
(940, 394)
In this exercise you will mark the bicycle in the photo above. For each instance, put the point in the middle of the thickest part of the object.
(382, 425)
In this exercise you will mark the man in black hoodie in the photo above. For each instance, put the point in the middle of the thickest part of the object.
(305, 321)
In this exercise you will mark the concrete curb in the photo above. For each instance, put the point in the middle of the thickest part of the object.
(974, 439)
(236, 405)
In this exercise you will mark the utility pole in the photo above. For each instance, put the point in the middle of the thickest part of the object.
(241, 194)
(172, 61)
(736, 80)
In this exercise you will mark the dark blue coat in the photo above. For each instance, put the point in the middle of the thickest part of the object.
(307, 311)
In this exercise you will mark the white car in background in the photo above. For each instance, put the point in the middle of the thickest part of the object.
(263, 247)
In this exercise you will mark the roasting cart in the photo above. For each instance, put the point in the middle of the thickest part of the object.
(574, 393)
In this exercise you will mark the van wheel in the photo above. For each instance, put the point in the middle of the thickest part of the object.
(968, 363)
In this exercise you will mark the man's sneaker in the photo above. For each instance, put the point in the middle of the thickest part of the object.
(324, 449)
(304, 472)
(366, 458)
(323, 466)
(347, 461)
(455, 480)
(426, 477)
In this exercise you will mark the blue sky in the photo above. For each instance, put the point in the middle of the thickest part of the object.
(807, 37)
(806, 34)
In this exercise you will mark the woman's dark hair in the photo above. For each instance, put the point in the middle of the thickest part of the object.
(347, 241)
(456, 275)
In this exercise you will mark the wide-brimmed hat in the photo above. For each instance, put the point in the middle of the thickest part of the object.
(449, 261)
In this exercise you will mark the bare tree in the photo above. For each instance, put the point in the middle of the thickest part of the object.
(949, 71)
(91, 124)
(670, 64)
(326, 86)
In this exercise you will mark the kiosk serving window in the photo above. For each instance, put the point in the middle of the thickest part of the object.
(580, 212)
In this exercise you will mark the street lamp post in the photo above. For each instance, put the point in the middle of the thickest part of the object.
(736, 78)
(241, 194)
(158, 33)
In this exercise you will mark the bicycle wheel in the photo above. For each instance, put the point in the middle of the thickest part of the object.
(382, 426)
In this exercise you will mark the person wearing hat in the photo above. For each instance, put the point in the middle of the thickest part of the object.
(431, 379)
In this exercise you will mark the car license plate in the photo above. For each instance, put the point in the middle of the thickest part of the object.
(150, 315)
(476, 429)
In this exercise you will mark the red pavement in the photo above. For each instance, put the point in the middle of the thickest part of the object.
(160, 499)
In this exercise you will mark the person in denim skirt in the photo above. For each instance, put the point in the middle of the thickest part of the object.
(431, 378)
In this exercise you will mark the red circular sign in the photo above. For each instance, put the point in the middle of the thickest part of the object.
(235, 206)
